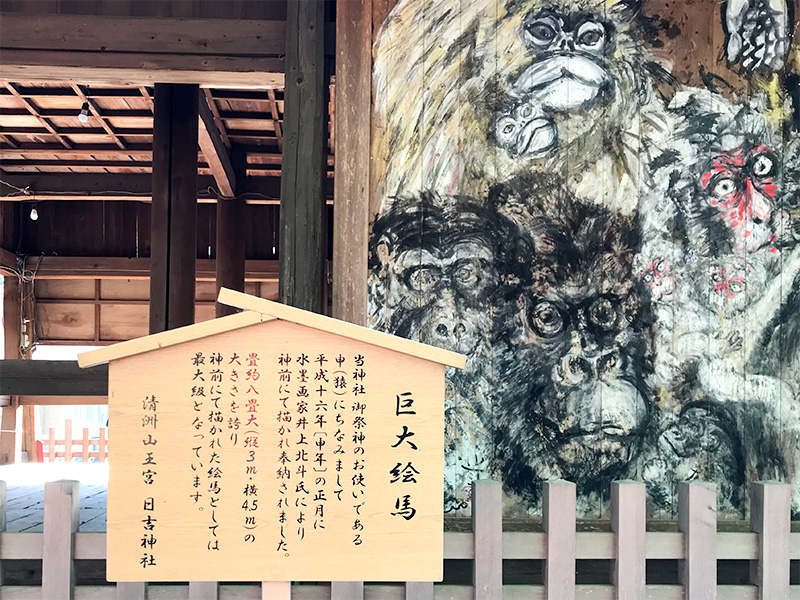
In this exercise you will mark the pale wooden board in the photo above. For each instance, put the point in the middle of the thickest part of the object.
(393, 548)
(124, 321)
(64, 288)
(66, 321)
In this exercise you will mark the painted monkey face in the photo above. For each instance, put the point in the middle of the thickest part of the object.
(741, 186)
(594, 409)
(656, 276)
(568, 71)
(439, 294)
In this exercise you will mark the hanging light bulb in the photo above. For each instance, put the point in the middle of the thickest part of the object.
(34, 213)
(84, 114)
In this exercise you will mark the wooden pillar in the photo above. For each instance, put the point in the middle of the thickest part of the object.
(11, 342)
(174, 207)
(351, 185)
(302, 227)
(232, 237)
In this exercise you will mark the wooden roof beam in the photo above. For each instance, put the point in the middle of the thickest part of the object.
(32, 109)
(214, 150)
(80, 91)
(276, 119)
(212, 104)
(107, 50)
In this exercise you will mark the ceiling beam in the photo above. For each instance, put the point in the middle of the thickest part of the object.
(135, 50)
(125, 186)
(81, 267)
(31, 108)
(7, 259)
(214, 150)
(95, 110)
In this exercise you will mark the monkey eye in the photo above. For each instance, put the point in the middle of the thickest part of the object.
(546, 319)
(603, 313)
(736, 286)
(660, 265)
(505, 129)
(762, 165)
(422, 278)
(467, 273)
(542, 32)
(723, 187)
(590, 35)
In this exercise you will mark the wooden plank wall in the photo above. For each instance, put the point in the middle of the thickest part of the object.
(201, 9)
(94, 311)
(84, 228)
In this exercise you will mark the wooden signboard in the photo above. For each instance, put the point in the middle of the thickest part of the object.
(255, 448)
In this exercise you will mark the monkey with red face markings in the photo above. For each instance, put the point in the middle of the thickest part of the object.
(711, 222)
(472, 94)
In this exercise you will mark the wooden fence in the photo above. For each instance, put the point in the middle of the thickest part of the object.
(68, 453)
(696, 545)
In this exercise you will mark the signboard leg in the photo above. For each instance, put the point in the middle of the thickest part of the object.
(203, 590)
(276, 590)
(347, 590)
(131, 590)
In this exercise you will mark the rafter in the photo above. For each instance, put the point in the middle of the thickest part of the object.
(33, 110)
(276, 120)
(212, 105)
(214, 150)
(96, 112)
(148, 98)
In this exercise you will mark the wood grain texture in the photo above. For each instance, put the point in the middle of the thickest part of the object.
(51, 378)
(697, 520)
(558, 522)
(351, 187)
(487, 527)
(276, 590)
(770, 517)
(61, 520)
(302, 227)
(214, 150)
(231, 239)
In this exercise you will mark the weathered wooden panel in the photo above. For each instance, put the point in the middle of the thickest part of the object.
(65, 321)
(123, 322)
(64, 289)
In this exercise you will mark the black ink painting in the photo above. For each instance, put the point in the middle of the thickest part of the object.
(612, 242)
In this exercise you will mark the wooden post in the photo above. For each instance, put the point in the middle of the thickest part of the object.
(203, 590)
(2, 517)
(68, 440)
(174, 207)
(770, 517)
(487, 529)
(347, 590)
(276, 590)
(628, 514)
(697, 520)
(558, 522)
(302, 227)
(61, 506)
(232, 237)
(351, 185)
(11, 343)
(419, 590)
(102, 446)
(131, 590)
(51, 446)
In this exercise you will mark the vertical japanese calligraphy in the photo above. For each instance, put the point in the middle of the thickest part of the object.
(275, 452)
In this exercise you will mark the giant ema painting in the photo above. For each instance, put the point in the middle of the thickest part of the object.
(612, 242)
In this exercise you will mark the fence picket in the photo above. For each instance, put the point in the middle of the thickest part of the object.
(68, 440)
(697, 520)
(203, 590)
(131, 590)
(276, 590)
(347, 590)
(558, 522)
(61, 505)
(487, 531)
(770, 516)
(419, 590)
(628, 522)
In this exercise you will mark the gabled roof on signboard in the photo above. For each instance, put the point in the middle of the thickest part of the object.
(259, 310)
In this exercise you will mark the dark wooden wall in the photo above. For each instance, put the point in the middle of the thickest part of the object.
(202, 9)
(98, 228)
